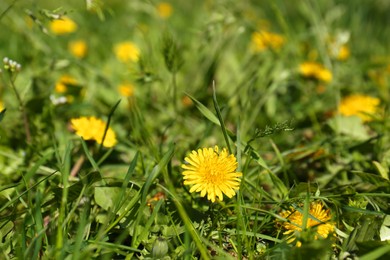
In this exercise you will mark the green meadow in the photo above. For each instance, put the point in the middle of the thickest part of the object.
(210, 129)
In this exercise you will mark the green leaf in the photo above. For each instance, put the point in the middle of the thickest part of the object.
(381, 170)
(351, 126)
(105, 196)
(384, 232)
(205, 111)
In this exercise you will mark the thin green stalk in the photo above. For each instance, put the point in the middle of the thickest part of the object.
(223, 127)
(22, 109)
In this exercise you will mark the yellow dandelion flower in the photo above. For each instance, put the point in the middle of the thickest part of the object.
(64, 25)
(164, 10)
(78, 48)
(127, 51)
(319, 220)
(61, 85)
(212, 172)
(126, 90)
(263, 40)
(1, 105)
(92, 128)
(315, 70)
(343, 53)
(359, 105)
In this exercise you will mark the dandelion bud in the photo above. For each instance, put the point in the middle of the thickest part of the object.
(160, 248)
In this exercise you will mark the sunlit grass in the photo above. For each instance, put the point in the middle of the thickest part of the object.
(110, 112)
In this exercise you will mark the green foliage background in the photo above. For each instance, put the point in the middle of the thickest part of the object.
(64, 198)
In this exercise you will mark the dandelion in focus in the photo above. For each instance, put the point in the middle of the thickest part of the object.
(164, 10)
(78, 48)
(359, 105)
(263, 40)
(127, 51)
(64, 25)
(310, 69)
(92, 128)
(319, 221)
(212, 172)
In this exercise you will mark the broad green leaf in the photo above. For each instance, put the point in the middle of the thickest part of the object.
(385, 229)
(350, 126)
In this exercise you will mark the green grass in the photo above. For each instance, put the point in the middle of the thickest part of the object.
(198, 83)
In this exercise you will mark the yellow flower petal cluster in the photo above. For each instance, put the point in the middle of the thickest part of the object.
(263, 40)
(64, 25)
(310, 69)
(127, 51)
(78, 48)
(1, 106)
(359, 105)
(212, 172)
(61, 85)
(164, 10)
(319, 220)
(92, 128)
(126, 89)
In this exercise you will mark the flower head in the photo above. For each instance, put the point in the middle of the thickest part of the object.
(343, 53)
(127, 51)
(63, 82)
(64, 25)
(319, 220)
(1, 106)
(359, 105)
(263, 40)
(92, 128)
(315, 70)
(212, 172)
(126, 90)
(164, 10)
(78, 48)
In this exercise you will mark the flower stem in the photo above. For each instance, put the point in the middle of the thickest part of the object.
(22, 109)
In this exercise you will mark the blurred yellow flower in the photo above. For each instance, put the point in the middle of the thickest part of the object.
(1, 105)
(263, 40)
(29, 21)
(186, 101)
(61, 85)
(359, 105)
(212, 172)
(310, 69)
(319, 220)
(78, 48)
(127, 51)
(126, 89)
(164, 10)
(343, 53)
(64, 25)
(92, 128)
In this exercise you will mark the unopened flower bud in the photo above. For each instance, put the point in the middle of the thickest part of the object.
(160, 247)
